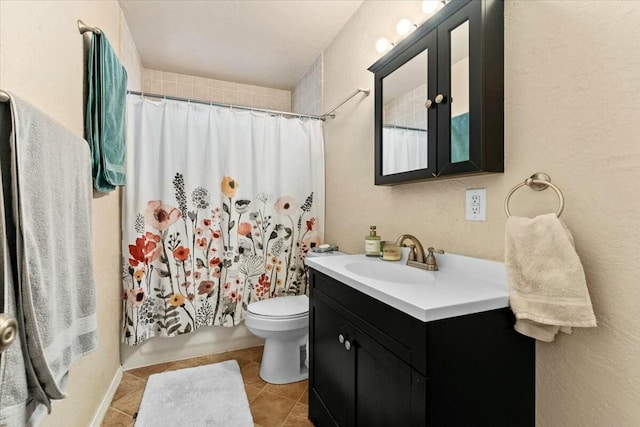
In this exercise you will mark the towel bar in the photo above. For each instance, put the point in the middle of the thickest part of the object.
(83, 28)
(538, 182)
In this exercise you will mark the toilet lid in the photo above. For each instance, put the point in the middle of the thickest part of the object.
(281, 306)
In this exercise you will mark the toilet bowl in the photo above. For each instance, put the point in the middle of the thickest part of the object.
(284, 324)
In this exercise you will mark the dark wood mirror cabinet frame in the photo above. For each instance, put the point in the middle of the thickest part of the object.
(486, 90)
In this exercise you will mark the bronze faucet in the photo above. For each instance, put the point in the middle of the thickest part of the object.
(416, 256)
(417, 252)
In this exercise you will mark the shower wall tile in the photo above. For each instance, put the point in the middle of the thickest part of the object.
(216, 95)
(407, 110)
(259, 101)
(245, 98)
(169, 89)
(185, 90)
(307, 95)
(170, 77)
(185, 80)
(201, 93)
(204, 89)
(230, 97)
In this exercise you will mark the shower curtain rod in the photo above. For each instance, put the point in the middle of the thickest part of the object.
(403, 128)
(232, 106)
(357, 91)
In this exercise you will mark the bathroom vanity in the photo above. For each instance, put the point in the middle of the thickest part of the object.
(397, 347)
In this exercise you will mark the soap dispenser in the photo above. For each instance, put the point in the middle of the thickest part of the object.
(372, 243)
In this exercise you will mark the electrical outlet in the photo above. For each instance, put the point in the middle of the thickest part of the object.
(476, 204)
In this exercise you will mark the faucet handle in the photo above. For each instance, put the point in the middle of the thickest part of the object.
(432, 264)
(412, 253)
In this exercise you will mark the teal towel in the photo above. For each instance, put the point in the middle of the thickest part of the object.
(105, 114)
(460, 138)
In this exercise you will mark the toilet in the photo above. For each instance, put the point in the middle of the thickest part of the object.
(284, 324)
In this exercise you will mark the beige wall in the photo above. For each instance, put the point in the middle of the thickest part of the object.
(41, 59)
(572, 109)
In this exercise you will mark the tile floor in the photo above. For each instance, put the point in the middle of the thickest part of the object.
(271, 405)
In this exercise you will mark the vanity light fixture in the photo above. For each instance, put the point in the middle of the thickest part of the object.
(405, 26)
(430, 6)
(382, 45)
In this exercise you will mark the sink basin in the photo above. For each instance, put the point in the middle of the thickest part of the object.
(464, 285)
(395, 273)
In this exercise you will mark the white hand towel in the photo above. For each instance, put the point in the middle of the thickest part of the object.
(547, 285)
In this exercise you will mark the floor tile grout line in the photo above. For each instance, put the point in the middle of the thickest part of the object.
(123, 413)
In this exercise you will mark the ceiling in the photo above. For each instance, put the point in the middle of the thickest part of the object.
(268, 43)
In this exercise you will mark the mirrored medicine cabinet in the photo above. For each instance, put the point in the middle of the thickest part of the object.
(439, 102)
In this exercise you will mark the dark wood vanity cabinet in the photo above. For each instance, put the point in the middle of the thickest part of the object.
(439, 97)
(373, 365)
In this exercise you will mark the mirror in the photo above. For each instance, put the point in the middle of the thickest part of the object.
(404, 117)
(405, 96)
(460, 93)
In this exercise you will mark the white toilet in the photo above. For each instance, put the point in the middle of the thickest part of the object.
(284, 324)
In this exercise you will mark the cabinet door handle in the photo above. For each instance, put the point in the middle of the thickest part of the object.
(347, 345)
(428, 103)
(8, 330)
(341, 338)
(440, 99)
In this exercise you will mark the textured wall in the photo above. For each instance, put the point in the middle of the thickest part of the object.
(572, 109)
(41, 59)
(129, 56)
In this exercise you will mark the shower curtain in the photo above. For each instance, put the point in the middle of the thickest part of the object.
(403, 150)
(219, 210)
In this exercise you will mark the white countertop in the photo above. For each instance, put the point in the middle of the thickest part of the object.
(464, 285)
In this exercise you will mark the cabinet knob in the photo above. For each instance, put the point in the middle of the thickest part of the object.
(341, 338)
(440, 99)
(428, 103)
(347, 345)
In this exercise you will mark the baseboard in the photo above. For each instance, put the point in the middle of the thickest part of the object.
(108, 397)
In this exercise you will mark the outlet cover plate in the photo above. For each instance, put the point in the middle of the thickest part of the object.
(476, 204)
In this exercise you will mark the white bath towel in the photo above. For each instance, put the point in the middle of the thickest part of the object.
(51, 208)
(548, 290)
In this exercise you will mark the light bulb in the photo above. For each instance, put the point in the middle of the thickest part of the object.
(430, 6)
(383, 45)
(404, 27)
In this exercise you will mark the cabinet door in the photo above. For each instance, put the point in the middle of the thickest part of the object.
(405, 135)
(460, 108)
(471, 82)
(388, 391)
(332, 367)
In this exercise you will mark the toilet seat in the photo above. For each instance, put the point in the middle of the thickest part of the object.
(288, 307)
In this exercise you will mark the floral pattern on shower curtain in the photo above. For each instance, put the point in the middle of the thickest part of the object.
(220, 209)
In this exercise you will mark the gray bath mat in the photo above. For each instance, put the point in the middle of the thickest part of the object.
(205, 396)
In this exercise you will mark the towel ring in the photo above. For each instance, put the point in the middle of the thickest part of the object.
(538, 182)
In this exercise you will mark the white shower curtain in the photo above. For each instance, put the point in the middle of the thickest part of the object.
(403, 150)
(219, 210)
